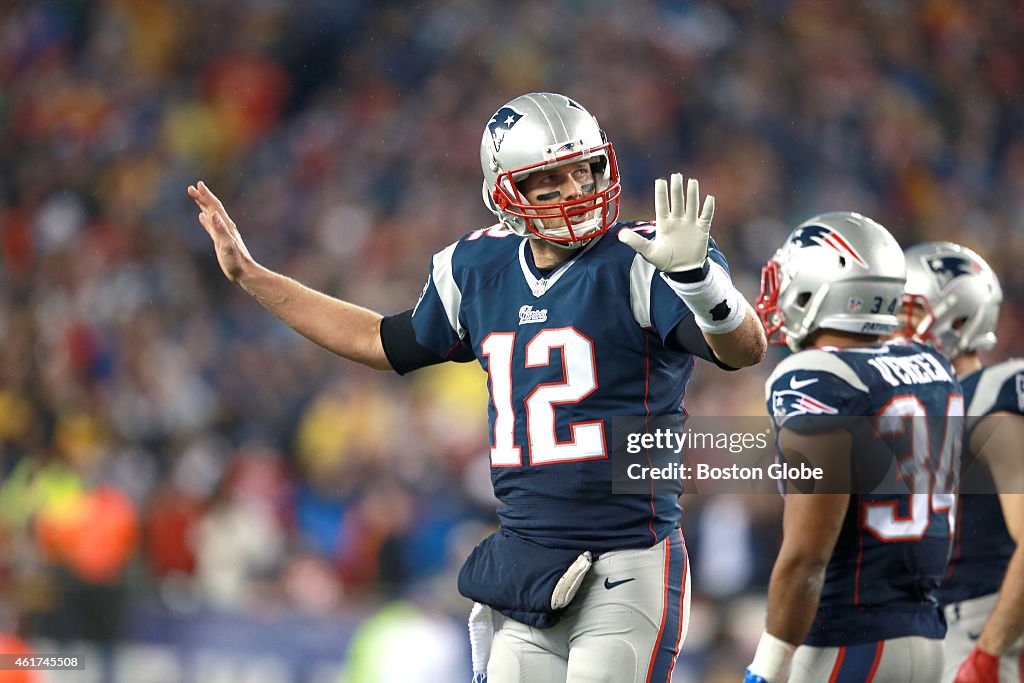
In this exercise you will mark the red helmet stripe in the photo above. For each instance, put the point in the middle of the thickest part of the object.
(836, 241)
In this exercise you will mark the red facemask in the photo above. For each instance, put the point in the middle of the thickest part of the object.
(767, 306)
(604, 200)
(910, 329)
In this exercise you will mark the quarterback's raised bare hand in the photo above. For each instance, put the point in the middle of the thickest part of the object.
(232, 254)
(681, 240)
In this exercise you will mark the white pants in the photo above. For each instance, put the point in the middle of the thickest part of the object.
(965, 620)
(625, 625)
(901, 660)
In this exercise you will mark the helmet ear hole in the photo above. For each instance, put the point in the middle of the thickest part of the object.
(959, 323)
(842, 261)
(803, 298)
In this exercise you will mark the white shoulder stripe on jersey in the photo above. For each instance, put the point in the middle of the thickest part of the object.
(447, 290)
(818, 361)
(992, 380)
(641, 274)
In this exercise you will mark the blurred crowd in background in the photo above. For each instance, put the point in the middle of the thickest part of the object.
(168, 450)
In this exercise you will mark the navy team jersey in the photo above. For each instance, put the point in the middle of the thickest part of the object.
(892, 548)
(565, 352)
(982, 546)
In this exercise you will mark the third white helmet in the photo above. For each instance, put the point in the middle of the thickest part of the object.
(960, 295)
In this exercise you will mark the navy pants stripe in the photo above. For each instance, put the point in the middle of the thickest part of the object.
(667, 648)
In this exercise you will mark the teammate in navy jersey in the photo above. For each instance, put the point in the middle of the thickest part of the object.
(953, 300)
(851, 596)
(574, 326)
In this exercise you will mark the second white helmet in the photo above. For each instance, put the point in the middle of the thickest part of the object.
(837, 271)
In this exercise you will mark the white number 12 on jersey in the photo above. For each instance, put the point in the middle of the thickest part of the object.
(580, 380)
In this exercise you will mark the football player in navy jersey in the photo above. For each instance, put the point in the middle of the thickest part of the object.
(576, 318)
(852, 594)
(953, 300)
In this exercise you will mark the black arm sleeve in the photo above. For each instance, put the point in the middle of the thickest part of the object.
(688, 337)
(406, 354)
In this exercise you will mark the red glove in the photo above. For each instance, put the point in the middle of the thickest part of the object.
(979, 667)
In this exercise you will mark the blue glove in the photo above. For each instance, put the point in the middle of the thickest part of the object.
(750, 677)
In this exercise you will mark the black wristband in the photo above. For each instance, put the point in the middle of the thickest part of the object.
(692, 275)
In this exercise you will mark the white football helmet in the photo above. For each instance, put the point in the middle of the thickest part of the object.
(959, 294)
(539, 131)
(837, 271)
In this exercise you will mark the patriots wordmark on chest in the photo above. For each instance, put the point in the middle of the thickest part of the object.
(529, 314)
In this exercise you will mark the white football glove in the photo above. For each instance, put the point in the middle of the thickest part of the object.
(681, 240)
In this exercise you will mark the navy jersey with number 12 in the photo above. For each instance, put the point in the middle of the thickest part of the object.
(892, 548)
(565, 352)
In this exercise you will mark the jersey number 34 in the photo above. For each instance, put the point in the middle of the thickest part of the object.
(932, 472)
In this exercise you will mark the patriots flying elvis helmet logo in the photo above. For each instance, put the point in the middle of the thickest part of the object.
(501, 124)
(948, 268)
(787, 403)
(821, 236)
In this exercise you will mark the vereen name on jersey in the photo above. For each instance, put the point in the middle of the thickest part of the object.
(920, 368)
